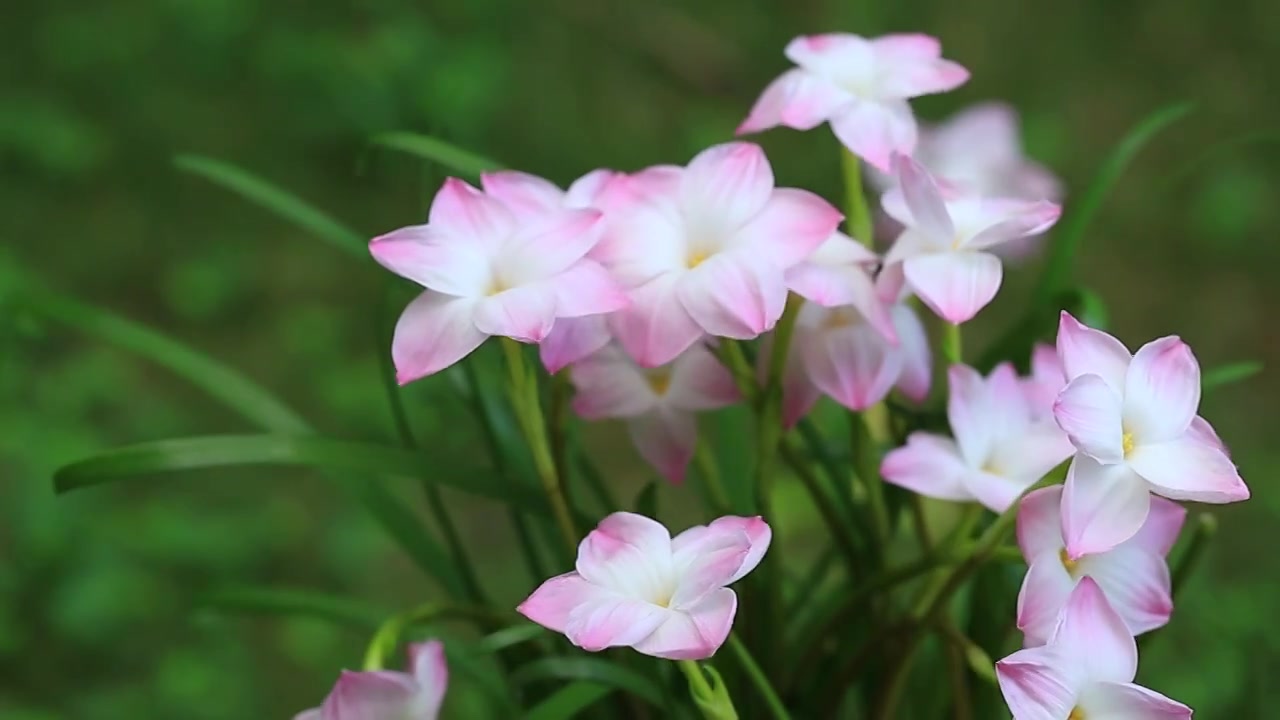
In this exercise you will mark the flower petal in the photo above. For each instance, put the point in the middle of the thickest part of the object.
(551, 245)
(733, 296)
(614, 621)
(1136, 583)
(875, 130)
(1188, 469)
(1085, 351)
(790, 227)
(586, 190)
(555, 600)
(852, 365)
(1021, 219)
(929, 465)
(666, 439)
(1046, 381)
(524, 194)
(832, 55)
(715, 564)
(644, 238)
(1030, 453)
(917, 360)
(955, 285)
(1126, 701)
(610, 385)
(970, 414)
(1038, 684)
(586, 288)
(725, 185)
(312, 714)
(1093, 637)
(692, 542)
(432, 673)
(700, 382)
(1039, 527)
(1160, 532)
(796, 99)
(696, 633)
(626, 553)
(912, 66)
(434, 332)
(468, 213)
(375, 694)
(1090, 412)
(1044, 592)
(524, 313)
(572, 340)
(923, 199)
(1102, 506)
(655, 328)
(996, 492)
(434, 259)
(1161, 391)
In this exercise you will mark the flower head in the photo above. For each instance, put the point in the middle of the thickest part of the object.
(1133, 575)
(944, 248)
(638, 587)
(389, 695)
(999, 449)
(860, 86)
(1085, 671)
(658, 404)
(1133, 420)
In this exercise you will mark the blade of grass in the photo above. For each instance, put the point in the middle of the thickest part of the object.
(590, 669)
(1228, 374)
(467, 164)
(568, 701)
(294, 602)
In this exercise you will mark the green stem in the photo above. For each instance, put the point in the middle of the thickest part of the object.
(826, 508)
(713, 702)
(710, 473)
(731, 355)
(387, 637)
(952, 347)
(770, 696)
(857, 216)
(867, 458)
(528, 409)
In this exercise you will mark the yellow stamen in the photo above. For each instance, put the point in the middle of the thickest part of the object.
(1069, 564)
(1076, 714)
(659, 380)
(1126, 442)
(696, 258)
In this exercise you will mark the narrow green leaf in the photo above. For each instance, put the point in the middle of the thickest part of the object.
(283, 601)
(568, 701)
(1040, 324)
(1231, 373)
(647, 500)
(277, 200)
(1070, 234)
(588, 668)
(507, 637)
(464, 162)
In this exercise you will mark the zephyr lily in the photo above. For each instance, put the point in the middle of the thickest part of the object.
(490, 270)
(705, 251)
(658, 403)
(1133, 575)
(1085, 671)
(1133, 420)
(858, 85)
(998, 452)
(944, 248)
(385, 694)
(636, 586)
(1045, 382)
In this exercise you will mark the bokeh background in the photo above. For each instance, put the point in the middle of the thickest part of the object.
(98, 589)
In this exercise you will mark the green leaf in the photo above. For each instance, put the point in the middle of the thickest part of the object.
(568, 701)
(277, 200)
(1070, 234)
(282, 601)
(508, 637)
(647, 500)
(588, 668)
(1230, 373)
(464, 162)
(1040, 324)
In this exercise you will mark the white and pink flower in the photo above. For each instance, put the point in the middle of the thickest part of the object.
(377, 694)
(636, 586)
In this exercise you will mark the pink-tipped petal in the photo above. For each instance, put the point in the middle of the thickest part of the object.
(700, 382)
(734, 296)
(853, 365)
(790, 227)
(624, 553)
(796, 99)
(955, 285)
(1102, 506)
(610, 385)
(643, 240)
(586, 288)
(666, 439)
(551, 245)
(874, 131)
(587, 190)
(1044, 592)
(434, 332)
(1089, 412)
(928, 212)
(468, 213)
(1037, 684)
(616, 621)
(695, 633)
(369, 695)
(929, 465)
(1160, 532)
(572, 340)
(1162, 390)
(969, 412)
(912, 66)
(719, 557)
(434, 259)
(692, 542)
(1039, 527)
(524, 194)
(426, 660)
(1126, 701)
(1021, 220)
(1136, 583)
(555, 600)
(1046, 381)
(917, 360)
(832, 54)
(1092, 636)
(655, 328)
(1202, 432)
(725, 185)
(524, 313)
(1085, 351)
(1187, 469)
(1037, 449)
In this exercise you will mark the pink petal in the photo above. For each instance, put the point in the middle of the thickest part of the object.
(615, 621)
(1039, 526)
(955, 285)
(1031, 453)
(1160, 532)
(923, 199)
(874, 131)
(696, 633)
(626, 553)
(1044, 592)
(1136, 583)
(996, 492)
(796, 99)
(551, 245)
(852, 365)
(586, 190)
(913, 68)
(840, 249)
(929, 465)
(1188, 469)
(666, 439)
(524, 194)
(789, 228)
(1089, 412)
(917, 361)
(1162, 391)
(970, 414)
(1201, 431)
(1102, 506)
(468, 213)
(974, 146)
(571, 340)
(432, 673)
(693, 542)
(369, 695)
(555, 600)
(1020, 220)
(700, 382)
(1046, 381)
(799, 394)
(1094, 638)
(1126, 701)
(1038, 684)
(655, 328)
(610, 385)
(586, 288)
(733, 296)
(434, 259)
(1085, 351)
(832, 54)
(524, 313)
(644, 238)
(434, 332)
(725, 185)
(713, 566)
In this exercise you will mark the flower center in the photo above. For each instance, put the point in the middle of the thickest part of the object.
(659, 380)
(1076, 714)
(1069, 564)
(1126, 443)
(841, 317)
(696, 258)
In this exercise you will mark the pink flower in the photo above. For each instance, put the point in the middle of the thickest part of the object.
(1046, 381)
(415, 695)
(491, 268)
(705, 251)
(998, 452)
(944, 248)
(860, 86)
(1086, 670)
(636, 586)
(1133, 575)
(1133, 420)
(657, 403)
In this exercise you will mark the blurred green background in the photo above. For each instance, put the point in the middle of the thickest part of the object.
(97, 588)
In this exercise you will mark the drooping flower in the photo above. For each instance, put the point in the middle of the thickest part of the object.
(1133, 575)
(945, 246)
(1133, 420)
(1085, 671)
(705, 252)
(998, 452)
(659, 404)
(1045, 382)
(490, 270)
(860, 86)
(379, 694)
(636, 586)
